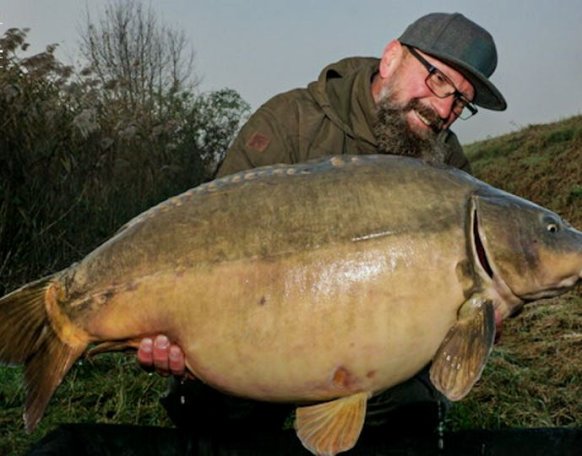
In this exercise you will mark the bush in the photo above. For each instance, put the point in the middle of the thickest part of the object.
(77, 164)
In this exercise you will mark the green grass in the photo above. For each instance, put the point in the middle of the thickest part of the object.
(110, 388)
(534, 376)
(540, 162)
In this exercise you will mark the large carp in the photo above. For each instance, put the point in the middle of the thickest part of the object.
(321, 283)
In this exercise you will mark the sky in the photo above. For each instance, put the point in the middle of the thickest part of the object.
(264, 47)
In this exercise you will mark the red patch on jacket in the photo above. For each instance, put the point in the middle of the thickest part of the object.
(258, 142)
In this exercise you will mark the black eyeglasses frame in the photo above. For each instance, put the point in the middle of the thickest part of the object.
(460, 99)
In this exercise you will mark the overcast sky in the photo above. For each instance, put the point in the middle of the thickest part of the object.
(264, 47)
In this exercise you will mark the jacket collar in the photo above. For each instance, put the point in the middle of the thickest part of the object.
(343, 91)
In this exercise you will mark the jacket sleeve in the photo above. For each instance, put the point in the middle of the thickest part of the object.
(263, 139)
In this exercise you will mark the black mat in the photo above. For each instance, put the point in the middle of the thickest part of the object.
(126, 440)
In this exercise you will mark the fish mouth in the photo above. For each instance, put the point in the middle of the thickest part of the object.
(566, 284)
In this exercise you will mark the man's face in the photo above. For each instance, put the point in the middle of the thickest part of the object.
(410, 115)
(407, 85)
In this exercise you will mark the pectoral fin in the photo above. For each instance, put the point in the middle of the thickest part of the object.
(331, 427)
(460, 359)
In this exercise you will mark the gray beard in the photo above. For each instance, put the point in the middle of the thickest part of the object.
(395, 137)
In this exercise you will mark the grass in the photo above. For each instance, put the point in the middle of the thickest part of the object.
(534, 376)
(540, 162)
(110, 388)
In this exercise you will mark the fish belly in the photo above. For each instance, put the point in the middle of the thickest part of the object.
(307, 326)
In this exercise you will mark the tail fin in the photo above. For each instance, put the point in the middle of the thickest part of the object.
(27, 336)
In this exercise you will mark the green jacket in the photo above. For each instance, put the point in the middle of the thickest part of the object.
(333, 115)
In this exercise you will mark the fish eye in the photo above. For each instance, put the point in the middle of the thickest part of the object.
(552, 223)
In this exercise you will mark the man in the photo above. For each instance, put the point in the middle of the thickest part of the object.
(402, 103)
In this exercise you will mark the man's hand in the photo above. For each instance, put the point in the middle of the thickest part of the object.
(161, 356)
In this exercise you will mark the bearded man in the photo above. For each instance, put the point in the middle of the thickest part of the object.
(403, 103)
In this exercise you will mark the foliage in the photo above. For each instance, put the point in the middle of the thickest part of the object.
(143, 63)
(78, 163)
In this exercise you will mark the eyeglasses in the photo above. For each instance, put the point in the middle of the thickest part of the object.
(443, 87)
